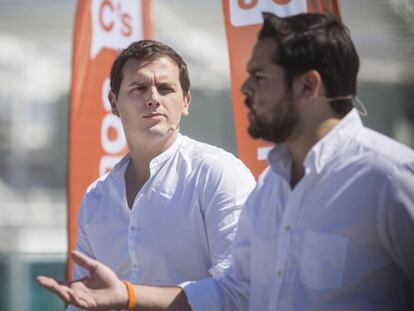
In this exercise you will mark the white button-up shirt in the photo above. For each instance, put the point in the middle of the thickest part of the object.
(342, 239)
(182, 222)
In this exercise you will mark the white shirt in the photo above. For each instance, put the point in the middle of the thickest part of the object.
(342, 239)
(182, 222)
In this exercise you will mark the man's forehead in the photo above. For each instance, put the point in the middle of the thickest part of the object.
(164, 67)
(265, 47)
(264, 53)
(141, 63)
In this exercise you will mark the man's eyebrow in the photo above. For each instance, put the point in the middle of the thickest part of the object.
(254, 69)
(141, 82)
(254, 66)
(250, 69)
(166, 83)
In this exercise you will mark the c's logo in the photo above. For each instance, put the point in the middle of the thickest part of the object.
(115, 23)
(106, 4)
(108, 15)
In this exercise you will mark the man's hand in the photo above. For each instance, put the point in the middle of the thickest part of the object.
(101, 290)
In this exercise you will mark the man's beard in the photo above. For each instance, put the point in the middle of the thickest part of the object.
(275, 127)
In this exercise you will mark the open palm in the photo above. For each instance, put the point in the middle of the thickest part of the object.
(100, 290)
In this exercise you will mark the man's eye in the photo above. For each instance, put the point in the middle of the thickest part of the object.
(166, 89)
(139, 88)
(258, 77)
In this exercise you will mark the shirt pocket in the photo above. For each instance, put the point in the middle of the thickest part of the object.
(323, 260)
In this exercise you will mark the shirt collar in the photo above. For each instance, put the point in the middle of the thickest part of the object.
(120, 168)
(164, 156)
(280, 161)
(320, 154)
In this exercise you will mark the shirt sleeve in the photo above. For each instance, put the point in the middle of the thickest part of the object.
(225, 190)
(83, 246)
(230, 291)
(397, 219)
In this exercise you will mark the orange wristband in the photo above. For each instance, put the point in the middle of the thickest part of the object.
(131, 296)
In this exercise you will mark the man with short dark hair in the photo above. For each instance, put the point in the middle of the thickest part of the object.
(330, 223)
(168, 210)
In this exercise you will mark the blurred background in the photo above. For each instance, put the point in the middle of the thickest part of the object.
(35, 60)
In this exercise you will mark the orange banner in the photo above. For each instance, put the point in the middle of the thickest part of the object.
(96, 139)
(243, 20)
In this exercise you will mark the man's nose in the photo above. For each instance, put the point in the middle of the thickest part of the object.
(153, 99)
(245, 90)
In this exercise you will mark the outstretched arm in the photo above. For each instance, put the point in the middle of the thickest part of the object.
(103, 290)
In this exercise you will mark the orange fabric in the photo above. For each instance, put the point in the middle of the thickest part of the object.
(96, 139)
(242, 27)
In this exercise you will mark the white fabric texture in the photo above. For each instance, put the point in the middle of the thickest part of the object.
(342, 239)
(182, 222)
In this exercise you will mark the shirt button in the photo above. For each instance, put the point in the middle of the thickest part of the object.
(133, 228)
(135, 267)
(287, 228)
(279, 273)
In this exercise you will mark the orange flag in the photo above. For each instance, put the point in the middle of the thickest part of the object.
(243, 20)
(96, 139)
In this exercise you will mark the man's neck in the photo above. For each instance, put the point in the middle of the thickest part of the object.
(142, 152)
(303, 142)
(144, 149)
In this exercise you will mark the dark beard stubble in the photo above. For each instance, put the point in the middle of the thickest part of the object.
(276, 128)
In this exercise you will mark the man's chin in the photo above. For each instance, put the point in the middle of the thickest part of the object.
(255, 133)
(160, 132)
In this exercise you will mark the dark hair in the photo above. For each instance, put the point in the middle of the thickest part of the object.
(316, 42)
(148, 50)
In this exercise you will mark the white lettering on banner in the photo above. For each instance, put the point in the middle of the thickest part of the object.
(112, 146)
(106, 87)
(115, 24)
(249, 12)
(107, 163)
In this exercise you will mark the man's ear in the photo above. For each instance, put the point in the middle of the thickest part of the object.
(307, 86)
(112, 100)
(187, 102)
